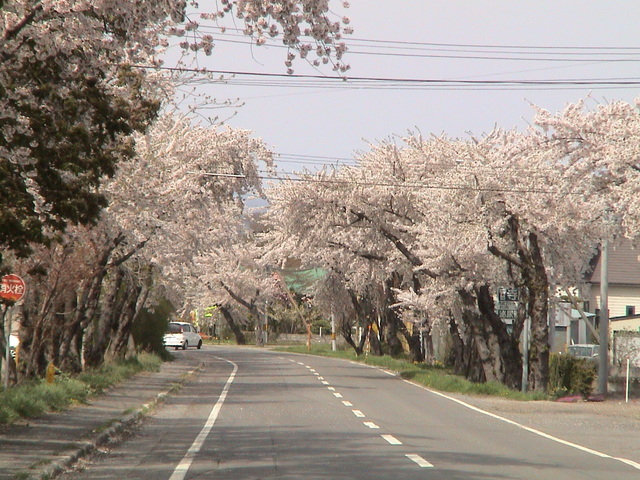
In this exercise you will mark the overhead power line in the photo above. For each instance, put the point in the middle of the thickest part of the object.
(371, 47)
(349, 40)
(412, 185)
(316, 81)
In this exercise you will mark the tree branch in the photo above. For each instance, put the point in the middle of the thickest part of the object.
(508, 258)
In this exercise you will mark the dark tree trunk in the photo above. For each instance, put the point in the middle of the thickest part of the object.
(459, 353)
(413, 340)
(233, 325)
(538, 304)
(374, 339)
(99, 329)
(346, 334)
(507, 345)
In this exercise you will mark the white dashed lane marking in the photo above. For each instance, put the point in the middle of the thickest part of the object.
(391, 439)
(422, 463)
(417, 459)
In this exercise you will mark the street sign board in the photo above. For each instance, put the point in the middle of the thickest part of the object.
(12, 288)
(508, 294)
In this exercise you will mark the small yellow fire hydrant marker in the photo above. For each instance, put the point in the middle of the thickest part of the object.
(51, 372)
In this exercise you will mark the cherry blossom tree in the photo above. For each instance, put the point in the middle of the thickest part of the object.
(444, 223)
(600, 158)
(68, 98)
(72, 91)
(308, 27)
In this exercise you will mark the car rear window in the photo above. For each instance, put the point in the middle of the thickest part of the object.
(175, 328)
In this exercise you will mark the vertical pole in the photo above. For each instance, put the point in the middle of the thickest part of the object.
(525, 353)
(333, 332)
(552, 326)
(626, 395)
(7, 358)
(603, 351)
(265, 337)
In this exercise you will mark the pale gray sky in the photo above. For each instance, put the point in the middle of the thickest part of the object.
(307, 121)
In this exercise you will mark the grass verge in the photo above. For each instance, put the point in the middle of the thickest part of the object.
(435, 377)
(37, 397)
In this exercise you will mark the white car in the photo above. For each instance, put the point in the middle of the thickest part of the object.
(182, 335)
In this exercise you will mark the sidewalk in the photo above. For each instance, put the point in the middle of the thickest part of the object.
(42, 448)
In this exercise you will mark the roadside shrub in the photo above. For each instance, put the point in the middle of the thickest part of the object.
(569, 375)
(25, 403)
(38, 397)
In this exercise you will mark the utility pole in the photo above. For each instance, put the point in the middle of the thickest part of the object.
(603, 350)
(526, 331)
(7, 352)
(265, 333)
(333, 332)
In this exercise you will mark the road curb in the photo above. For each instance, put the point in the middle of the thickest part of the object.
(65, 462)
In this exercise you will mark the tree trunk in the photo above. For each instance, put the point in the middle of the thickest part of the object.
(237, 332)
(99, 329)
(374, 340)
(507, 345)
(538, 304)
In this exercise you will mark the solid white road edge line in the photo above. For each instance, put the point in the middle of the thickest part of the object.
(419, 460)
(183, 467)
(528, 429)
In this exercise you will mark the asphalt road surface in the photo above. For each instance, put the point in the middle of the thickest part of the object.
(257, 414)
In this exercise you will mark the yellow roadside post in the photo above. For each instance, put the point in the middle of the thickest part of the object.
(51, 373)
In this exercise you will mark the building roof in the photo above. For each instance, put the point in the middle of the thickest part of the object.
(624, 265)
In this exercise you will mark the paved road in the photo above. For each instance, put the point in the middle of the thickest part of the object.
(255, 414)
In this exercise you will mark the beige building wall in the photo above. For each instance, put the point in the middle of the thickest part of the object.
(619, 298)
(631, 324)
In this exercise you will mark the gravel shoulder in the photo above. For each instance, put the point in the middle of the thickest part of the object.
(611, 427)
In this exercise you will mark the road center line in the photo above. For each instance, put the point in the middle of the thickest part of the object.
(358, 413)
(419, 460)
(333, 389)
(183, 467)
(337, 395)
(371, 425)
(391, 439)
(347, 403)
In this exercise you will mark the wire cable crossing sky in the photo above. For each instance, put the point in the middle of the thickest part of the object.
(435, 67)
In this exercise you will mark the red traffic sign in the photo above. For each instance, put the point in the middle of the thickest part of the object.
(12, 288)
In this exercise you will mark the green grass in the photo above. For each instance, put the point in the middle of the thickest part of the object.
(37, 397)
(435, 377)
